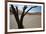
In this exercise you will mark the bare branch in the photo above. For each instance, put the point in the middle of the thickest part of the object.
(24, 8)
(30, 9)
(17, 15)
(15, 12)
(17, 9)
(13, 9)
(22, 15)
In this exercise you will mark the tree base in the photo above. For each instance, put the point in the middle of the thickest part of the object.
(21, 27)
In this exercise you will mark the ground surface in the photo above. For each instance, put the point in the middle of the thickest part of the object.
(30, 21)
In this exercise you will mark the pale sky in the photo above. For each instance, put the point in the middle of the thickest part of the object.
(33, 10)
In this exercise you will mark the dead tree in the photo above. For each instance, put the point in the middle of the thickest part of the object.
(15, 12)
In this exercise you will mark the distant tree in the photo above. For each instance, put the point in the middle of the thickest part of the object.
(15, 12)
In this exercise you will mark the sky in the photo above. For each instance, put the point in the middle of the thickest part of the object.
(33, 10)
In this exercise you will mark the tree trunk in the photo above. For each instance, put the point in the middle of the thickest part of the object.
(20, 25)
(19, 22)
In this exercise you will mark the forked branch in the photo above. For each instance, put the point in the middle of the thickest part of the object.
(22, 15)
(15, 12)
(30, 9)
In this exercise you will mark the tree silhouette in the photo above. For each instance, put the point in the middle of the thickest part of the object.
(15, 12)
